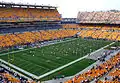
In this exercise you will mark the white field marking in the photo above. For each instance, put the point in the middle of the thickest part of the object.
(35, 64)
(55, 70)
(34, 47)
(30, 74)
(15, 71)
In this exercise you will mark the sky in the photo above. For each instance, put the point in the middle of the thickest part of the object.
(70, 8)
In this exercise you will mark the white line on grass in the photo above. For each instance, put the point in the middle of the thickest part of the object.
(35, 64)
(34, 47)
(55, 70)
(27, 73)
(14, 71)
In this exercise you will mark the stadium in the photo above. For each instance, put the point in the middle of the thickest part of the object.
(38, 45)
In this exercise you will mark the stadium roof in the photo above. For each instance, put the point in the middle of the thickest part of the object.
(10, 5)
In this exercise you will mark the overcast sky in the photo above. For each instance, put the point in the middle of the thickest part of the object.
(70, 8)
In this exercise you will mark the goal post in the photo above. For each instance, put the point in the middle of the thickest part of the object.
(10, 58)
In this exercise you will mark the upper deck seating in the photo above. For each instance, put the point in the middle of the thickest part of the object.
(28, 14)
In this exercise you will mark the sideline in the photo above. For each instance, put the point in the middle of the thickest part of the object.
(55, 70)
(35, 47)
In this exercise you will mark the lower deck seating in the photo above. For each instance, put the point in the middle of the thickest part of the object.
(8, 40)
(97, 71)
(112, 77)
(6, 77)
(9, 76)
(31, 37)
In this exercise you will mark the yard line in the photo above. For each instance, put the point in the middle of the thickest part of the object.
(53, 61)
(46, 74)
(34, 63)
(37, 69)
(34, 47)
(17, 68)
(55, 70)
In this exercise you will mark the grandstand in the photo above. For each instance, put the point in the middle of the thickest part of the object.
(37, 44)
(98, 25)
(18, 17)
(28, 13)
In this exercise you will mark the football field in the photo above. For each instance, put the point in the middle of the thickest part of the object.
(39, 61)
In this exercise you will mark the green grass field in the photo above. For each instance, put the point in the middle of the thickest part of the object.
(114, 45)
(71, 70)
(14, 49)
(42, 60)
